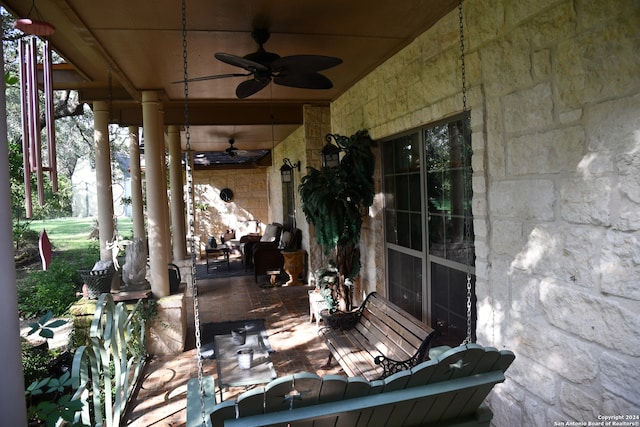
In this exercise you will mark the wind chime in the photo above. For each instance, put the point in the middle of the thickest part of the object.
(30, 109)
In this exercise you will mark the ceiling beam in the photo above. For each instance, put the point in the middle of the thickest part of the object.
(203, 113)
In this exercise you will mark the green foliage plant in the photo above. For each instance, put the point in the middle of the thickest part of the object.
(54, 289)
(45, 325)
(334, 201)
(47, 401)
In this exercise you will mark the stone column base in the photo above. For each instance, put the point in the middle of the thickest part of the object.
(167, 332)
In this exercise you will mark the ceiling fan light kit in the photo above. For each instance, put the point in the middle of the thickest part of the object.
(298, 71)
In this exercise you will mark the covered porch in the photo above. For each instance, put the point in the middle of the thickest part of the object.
(162, 397)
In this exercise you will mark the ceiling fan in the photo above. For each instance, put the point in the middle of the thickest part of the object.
(233, 151)
(299, 71)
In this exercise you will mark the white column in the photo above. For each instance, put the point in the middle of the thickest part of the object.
(103, 177)
(12, 402)
(165, 186)
(137, 204)
(156, 206)
(177, 194)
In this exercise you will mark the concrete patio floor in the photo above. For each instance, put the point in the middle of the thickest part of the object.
(161, 399)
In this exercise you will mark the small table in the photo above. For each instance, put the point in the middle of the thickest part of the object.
(216, 252)
(229, 372)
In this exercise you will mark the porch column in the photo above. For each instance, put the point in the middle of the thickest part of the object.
(165, 188)
(137, 204)
(12, 402)
(154, 165)
(177, 194)
(103, 177)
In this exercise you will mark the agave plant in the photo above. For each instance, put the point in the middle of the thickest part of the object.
(334, 201)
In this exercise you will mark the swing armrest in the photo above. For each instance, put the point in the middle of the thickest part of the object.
(391, 366)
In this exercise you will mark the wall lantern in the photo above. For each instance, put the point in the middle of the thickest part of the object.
(330, 155)
(286, 170)
(331, 151)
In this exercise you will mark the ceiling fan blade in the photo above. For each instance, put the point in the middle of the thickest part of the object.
(305, 63)
(218, 76)
(241, 62)
(249, 87)
(304, 81)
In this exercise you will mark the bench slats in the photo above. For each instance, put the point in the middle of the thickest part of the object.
(383, 329)
(403, 321)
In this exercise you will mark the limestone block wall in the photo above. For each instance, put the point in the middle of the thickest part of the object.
(304, 145)
(554, 95)
(250, 200)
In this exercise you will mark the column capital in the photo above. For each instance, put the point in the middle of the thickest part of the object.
(150, 96)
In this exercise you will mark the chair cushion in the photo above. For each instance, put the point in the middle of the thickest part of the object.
(271, 233)
(285, 240)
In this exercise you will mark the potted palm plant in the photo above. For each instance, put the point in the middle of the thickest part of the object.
(334, 201)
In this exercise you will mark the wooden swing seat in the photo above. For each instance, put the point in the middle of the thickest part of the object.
(447, 391)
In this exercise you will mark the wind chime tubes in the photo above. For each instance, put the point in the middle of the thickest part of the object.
(30, 107)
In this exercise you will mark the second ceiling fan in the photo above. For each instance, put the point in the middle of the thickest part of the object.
(299, 71)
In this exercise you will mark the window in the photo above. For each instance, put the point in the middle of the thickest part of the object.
(288, 205)
(429, 225)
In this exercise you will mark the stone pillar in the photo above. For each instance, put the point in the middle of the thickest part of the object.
(177, 194)
(167, 333)
(156, 207)
(103, 177)
(12, 403)
(137, 204)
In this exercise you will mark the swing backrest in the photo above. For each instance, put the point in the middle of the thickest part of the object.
(451, 387)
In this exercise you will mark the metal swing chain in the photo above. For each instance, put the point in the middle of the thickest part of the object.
(463, 74)
(191, 213)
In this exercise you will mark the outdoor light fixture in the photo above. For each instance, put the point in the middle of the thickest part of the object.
(286, 170)
(331, 152)
(330, 156)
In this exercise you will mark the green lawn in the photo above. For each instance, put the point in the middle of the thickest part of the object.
(73, 233)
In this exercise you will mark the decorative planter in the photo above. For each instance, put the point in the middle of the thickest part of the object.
(293, 265)
(97, 281)
(340, 319)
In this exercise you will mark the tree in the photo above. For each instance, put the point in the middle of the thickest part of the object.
(73, 125)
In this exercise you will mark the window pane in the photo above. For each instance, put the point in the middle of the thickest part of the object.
(416, 231)
(391, 232)
(390, 192)
(402, 192)
(449, 191)
(405, 282)
(404, 229)
(415, 192)
(449, 303)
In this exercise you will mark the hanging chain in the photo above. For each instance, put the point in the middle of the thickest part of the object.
(191, 213)
(463, 71)
(467, 218)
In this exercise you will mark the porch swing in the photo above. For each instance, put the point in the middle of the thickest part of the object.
(450, 380)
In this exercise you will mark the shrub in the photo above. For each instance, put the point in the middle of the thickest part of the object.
(35, 362)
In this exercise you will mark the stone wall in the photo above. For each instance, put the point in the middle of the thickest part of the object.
(304, 145)
(553, 89)
(250, 200)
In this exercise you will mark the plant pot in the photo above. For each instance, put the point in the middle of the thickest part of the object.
(97, 281)
(340, 319)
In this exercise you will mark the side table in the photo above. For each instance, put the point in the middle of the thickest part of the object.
(216, 252)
